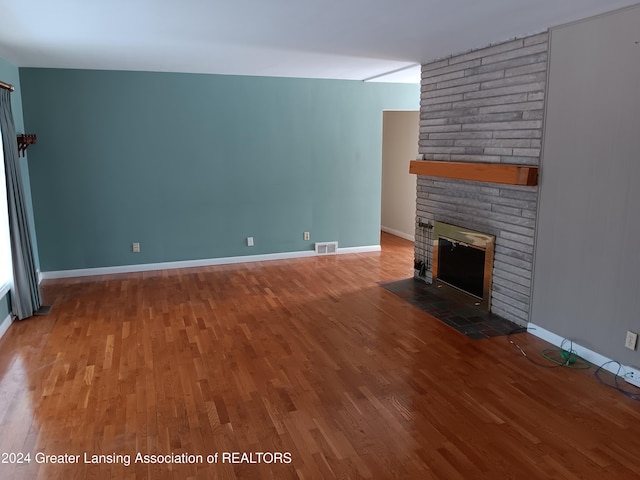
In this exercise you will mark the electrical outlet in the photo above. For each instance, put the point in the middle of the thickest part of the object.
(631, 341)
(307, 236)
(632, 376)
(249, 241)
(135, 247)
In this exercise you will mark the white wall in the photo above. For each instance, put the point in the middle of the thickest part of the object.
(399, 146)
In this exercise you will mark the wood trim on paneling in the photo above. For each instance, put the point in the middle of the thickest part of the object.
(479, 172)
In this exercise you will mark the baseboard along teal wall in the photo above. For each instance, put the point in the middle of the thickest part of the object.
(190, 165)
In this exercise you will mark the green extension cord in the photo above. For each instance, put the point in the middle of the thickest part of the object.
(566, 358)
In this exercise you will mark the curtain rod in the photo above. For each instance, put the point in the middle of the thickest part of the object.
(8, 86)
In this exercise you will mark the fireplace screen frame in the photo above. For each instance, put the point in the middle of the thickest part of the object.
(469, 238)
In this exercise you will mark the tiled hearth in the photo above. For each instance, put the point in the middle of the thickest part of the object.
(472, 321)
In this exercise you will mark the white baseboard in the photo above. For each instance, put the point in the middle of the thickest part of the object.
(589, 355)
(365, 249)
(398, 233)
(5, 324)
(146, 267)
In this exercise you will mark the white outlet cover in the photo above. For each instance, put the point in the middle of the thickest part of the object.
(631, 341)
(249, 241)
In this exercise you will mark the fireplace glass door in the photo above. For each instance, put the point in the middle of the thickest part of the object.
(461, 266)
(463, 259)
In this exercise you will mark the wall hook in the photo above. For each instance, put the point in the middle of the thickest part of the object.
(24, 140)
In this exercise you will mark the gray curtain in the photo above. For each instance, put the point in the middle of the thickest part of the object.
(25, 295)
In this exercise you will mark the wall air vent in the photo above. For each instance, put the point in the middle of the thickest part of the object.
(326, 248)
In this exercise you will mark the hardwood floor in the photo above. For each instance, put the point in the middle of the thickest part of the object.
(309, 357)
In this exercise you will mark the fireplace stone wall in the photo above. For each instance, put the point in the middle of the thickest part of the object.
(486, 105)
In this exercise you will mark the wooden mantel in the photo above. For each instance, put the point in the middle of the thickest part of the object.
(479, 172)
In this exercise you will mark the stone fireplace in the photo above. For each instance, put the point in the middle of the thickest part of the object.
(483, 107)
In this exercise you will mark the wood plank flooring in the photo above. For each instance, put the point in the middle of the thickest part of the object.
(309, 357)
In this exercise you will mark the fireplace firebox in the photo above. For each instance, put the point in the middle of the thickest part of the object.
(463, 261)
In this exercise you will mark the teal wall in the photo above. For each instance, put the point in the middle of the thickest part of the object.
(9, 73)
(4, 307)
(190, 165)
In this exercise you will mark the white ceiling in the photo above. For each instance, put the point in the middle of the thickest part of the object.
(342, 39)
